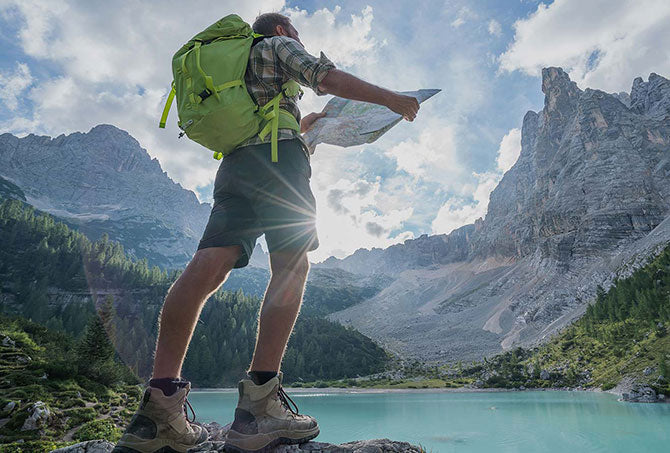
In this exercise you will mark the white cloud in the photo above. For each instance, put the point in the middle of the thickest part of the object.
(457, 22)
(13, 84)
(458, 211)
(495, 29)
(601, 43)
(348, 214)
(508, 152)
(345, 43)
(431, 157)
(464, 14)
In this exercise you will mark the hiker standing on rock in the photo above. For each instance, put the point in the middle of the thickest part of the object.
(260, 188)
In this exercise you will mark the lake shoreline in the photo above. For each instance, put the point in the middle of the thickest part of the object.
(406, 390)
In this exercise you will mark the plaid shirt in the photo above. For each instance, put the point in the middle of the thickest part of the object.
(273, 62)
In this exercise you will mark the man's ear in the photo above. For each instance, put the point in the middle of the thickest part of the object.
(280, 31)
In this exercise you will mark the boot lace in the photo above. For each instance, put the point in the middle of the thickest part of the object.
(187, 404)
(287, 401)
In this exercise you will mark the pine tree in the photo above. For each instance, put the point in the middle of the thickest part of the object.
(95, 353)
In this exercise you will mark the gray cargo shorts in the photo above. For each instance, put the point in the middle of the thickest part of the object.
(254, 196)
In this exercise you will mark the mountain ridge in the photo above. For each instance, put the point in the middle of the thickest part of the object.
(588, 194)
(120, 190)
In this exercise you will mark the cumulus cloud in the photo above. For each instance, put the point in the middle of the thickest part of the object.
(603, 44)
(508, 152)
(348, 218)
(344, 42)
(13, 84)
(433, 156)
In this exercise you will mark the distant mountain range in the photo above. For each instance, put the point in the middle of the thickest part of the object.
(587, 201)
(103, 181)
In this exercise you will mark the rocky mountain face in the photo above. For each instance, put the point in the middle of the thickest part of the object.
(417, 253)
(103, 181)
(588, 200)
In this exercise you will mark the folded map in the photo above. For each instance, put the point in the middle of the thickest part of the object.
(350, 123)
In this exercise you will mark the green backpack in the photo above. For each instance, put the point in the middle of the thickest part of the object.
(215, 109)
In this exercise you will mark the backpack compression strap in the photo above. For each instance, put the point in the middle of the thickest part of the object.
(166, 109)
(272, 113)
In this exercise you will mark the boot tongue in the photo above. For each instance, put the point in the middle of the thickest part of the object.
(183, 385)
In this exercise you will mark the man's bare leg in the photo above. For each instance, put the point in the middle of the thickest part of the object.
(208, 269)
(280, 308)
(263, 416)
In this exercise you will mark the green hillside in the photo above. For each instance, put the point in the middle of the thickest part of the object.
(56, 276)
(74, 390)
(624, 333)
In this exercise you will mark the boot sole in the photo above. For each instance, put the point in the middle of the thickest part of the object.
(269, 447)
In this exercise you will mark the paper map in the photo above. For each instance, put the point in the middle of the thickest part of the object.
(350, 123)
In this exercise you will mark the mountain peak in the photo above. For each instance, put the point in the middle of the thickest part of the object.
(652, 97)
(560, 92)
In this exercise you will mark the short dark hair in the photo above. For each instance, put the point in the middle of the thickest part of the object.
(266, 24)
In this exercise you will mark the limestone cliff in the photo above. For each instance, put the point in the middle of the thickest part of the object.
(588, 200)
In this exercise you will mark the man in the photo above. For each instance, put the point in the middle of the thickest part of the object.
(252, 196)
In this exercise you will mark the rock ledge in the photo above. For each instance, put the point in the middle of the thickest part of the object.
(216, 446)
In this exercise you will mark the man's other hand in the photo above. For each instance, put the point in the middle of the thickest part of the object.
(407, 106)
(307, 122)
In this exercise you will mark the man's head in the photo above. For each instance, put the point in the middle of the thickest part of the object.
(275, 24)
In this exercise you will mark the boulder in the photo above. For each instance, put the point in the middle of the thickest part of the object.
(39, 416)
(216, 431)
(9, 407)
(641, 394)
(544, 374)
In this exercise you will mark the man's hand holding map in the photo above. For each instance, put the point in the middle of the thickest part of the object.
(350, 123)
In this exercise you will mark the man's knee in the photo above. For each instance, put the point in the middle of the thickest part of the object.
(289, 264)
(209, 267)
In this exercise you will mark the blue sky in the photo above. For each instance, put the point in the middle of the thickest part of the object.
(68, 65)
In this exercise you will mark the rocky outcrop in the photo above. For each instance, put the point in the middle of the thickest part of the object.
(587, 201)
(424, 251)
(591, 175)
(38, 416)
(361, 446)
(104, 182)
(217, 434)
(642, 394)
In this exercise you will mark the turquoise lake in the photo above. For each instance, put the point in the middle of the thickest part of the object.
(548, 422)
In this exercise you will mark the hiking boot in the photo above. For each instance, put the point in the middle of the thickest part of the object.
(161, 425)
(266, 417)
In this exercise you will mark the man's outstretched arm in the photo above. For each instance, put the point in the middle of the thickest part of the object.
(345, 85)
